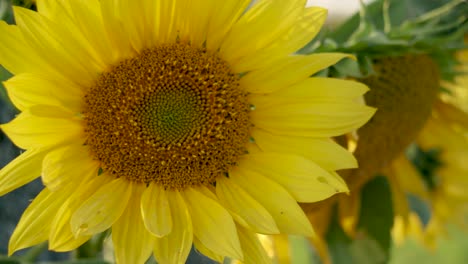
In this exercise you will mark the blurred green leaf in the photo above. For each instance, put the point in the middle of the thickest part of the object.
(9, 261)
(339, 244)
(399, 11)
(18, 260)
(366, 250)
(372, 242)
(376, 215)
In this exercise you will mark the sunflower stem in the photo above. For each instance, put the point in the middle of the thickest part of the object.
(386, 16)
(438, 12)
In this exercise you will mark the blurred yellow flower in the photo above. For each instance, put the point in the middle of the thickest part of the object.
(445, 135)
(173, 123)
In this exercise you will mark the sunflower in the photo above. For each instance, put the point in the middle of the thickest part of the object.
(173, 123)
(443, 143)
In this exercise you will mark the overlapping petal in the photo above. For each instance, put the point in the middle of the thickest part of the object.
(70, 164)
(43, 126)
(22, 170)
(100, 211)
(34, 226)
(213, 225)
(61, 237)
(262, 24)
(303, 179)
(156, 211)
(280, 204)
(181, 236)
(133, 243)
(240, 202)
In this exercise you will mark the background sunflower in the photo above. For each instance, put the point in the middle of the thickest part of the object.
(404, 49)
(172, 128)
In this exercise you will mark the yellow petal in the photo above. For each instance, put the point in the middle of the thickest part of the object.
(27, 89)
(14, 48)
(288, 216)
(21, 170)
(42, 126)
(34, 226)
(452, 113)
(313, 119)
(113, 25)
(304, 29)
(137, 30)
(61, 238)
(54, 42)
(323, 151)
(288, 71)
(263, 23)
(156, 211)
(49, 9)
(68, 165)
(87, 16)
(253, 250)
(399, 198)
(132, 242)
(408, 177)
(305, 180)
(319, 87)
(103, 208)
(221, 21)
(206, 252)
(83, 18)
(282, 249)
(167, 22)
(175, 247)
(213, 225)
(194, 17)
(240, 202)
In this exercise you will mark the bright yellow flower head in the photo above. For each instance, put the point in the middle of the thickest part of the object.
(173, 123)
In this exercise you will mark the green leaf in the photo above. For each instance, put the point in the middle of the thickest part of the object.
(366, 250)
(9, 261)
(399, 11)
(80, 261)
(376, 215)
(372, 242)
(339, 244)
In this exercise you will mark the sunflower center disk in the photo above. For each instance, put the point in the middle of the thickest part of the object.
(403, 90)
(174, 115)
